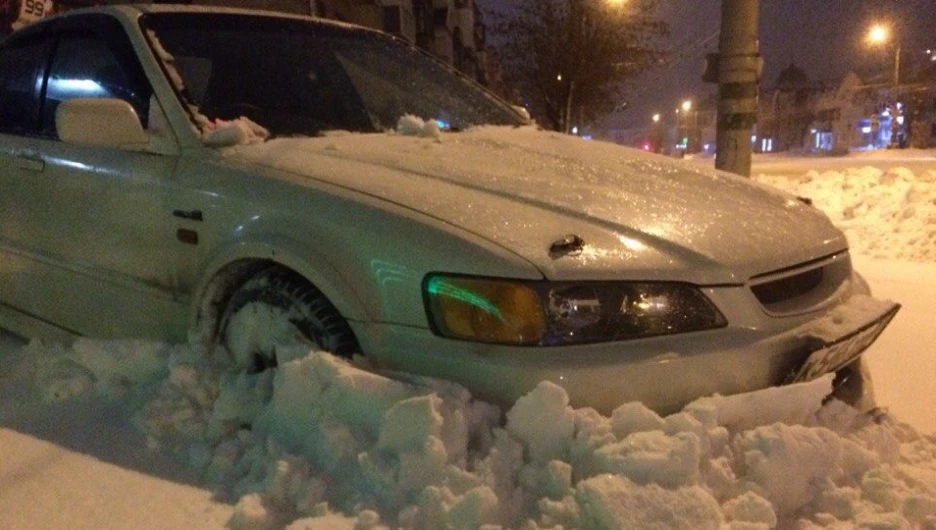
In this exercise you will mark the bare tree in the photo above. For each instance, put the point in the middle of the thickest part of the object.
(571, 58)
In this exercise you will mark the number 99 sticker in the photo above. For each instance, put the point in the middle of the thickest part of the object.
(31, 11)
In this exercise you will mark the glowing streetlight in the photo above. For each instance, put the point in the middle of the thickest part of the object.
(656, 118)
(687, 105)
(880, 34)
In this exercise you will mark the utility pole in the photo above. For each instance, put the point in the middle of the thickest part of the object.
(895, 109)
(737, 69)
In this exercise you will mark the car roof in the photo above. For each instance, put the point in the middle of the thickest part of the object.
(130, 12)
(187, 8)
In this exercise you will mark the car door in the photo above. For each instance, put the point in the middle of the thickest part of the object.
(22, 61)
(100, 233)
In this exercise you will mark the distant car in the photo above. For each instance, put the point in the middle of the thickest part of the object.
(167, 172)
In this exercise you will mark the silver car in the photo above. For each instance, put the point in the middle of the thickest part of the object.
(170, 173)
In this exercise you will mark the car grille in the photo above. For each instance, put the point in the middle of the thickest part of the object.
(801, 288)
(787, 288)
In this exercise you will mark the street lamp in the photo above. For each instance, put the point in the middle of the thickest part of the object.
(657, 135)
(690, 126)
(880, 34)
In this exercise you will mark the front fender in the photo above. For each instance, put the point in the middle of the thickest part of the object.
(368, 256)
(296, 255)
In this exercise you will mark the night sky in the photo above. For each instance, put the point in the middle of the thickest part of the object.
(826, 38)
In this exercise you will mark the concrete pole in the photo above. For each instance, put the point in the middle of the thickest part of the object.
(895, 111)
(897, 65)
(739, 67)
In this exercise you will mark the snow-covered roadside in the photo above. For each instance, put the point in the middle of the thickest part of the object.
(903, 360)
(48, 486)
(115, 435)
(80, 464)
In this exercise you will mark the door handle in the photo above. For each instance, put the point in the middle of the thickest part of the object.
(29, 161)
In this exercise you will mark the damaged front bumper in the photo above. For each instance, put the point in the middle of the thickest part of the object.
(838, 339)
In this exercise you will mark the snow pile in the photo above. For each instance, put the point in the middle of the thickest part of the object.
(885, 213)
(324, 443)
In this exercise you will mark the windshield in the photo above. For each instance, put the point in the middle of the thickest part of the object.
(297, 77)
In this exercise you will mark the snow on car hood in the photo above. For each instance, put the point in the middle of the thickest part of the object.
(644, 214)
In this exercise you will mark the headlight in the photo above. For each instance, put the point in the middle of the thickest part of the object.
(485, 310)
(557, 313)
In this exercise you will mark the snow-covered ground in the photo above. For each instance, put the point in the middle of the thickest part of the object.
(137, 435)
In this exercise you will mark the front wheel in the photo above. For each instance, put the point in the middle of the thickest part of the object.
(276, 316)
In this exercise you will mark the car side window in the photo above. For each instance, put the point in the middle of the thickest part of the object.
(94, 64)
(21, 64)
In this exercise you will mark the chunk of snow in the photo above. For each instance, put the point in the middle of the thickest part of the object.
(409, 125)
(410, 423)
(544, 422)
(610, 501)
(751, 508)
(791, 404)
(634, 417)
(240, 131)
(790, 463)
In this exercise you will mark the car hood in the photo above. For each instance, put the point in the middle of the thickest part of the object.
(639, 215)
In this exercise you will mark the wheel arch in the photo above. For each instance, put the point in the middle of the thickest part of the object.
(234, 266)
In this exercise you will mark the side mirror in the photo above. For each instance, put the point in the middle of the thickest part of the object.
(101, 122)
(522, 111)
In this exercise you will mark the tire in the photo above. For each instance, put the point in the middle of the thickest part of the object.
(276, 316)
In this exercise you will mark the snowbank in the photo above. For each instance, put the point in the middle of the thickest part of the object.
(334, 445)
(885, 213)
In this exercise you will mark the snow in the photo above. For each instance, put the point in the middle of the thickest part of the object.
(903, 360)
(410, 125)
(887, 214)
(132, 434)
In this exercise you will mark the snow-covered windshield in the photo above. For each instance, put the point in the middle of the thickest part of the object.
(297, 77)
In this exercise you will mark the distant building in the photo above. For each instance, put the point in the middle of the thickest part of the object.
(921, 108)
(795, 114)
(850, 114)
(784, 113)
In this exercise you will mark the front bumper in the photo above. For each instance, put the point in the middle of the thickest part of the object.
(665, 373)
(835, 350)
